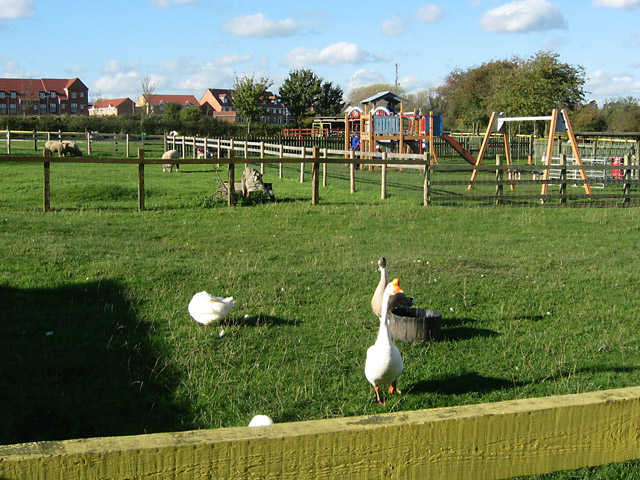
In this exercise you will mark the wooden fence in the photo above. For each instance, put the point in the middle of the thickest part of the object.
(486, 441)
(443, 183)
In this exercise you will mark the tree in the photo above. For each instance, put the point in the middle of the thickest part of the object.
(538, 85)
(466, 93)
(249, 97)
(172, 111)
(329, 103)
(300, 91)
(360, 93)
(425, 101)
(148, 89)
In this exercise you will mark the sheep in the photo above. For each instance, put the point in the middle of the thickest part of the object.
(171, 155)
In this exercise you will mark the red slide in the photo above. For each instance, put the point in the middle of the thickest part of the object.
(459, 148)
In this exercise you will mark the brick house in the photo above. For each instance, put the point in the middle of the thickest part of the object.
(159, 102)
(112, 107)
(218, 103)
(44, 96)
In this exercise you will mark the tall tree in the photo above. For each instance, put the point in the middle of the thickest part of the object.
(330, 100)
(300, 92)
(538, 85)
(249, 96)
(465, 93)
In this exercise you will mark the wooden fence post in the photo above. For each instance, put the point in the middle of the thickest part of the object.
(315, 178)
(304, 155)
(325, 154)
(498, 181)
(8, 141)
(280, 164)
(231, 199)
(352, 175)
(383, 181)
(262, 157)
(426, 188)
(626, 189)
(46, 202)
(563, 178)
(141, 179)
(88, 143)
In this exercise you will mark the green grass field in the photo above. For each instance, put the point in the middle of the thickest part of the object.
(95, 338)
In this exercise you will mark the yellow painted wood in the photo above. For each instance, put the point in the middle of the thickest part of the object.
(495, 440)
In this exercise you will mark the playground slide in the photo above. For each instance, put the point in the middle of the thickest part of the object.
(459, 148)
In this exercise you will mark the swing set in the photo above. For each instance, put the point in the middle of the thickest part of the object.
(559, 122)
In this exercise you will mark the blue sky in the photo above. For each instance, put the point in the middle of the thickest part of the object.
(187, 46)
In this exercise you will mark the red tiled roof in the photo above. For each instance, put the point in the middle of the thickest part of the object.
(113, 102)
(29, 88)
(179, 99)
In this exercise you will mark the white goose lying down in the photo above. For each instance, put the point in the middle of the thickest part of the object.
(206, 309)
(384, 362)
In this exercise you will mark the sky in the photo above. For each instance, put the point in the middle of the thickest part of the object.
(187, 46)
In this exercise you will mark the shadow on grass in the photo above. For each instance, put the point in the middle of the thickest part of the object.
(456, 329)
(76, 362)
(259, 320)
(470, 382)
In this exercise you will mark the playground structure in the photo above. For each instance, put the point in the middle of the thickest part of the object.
(559, 122)
(392, 127)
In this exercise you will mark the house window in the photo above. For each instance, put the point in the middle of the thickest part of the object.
(2, 94)
(73, 94)
(74, 107)
(43, 108)
(82, 106)
(42, 95)
(81, 94)
(52, 94)
(63, 106)
(13, 108)
(14, 94)
(52, 107)
(3, 109)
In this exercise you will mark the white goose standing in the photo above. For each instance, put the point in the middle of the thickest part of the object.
(384, 361)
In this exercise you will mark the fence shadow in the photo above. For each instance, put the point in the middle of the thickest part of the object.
(77, 362)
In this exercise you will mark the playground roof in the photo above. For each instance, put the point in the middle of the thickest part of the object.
(389, 97)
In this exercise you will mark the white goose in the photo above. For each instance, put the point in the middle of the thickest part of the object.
(206, 309)
(384, 361)
(376, 300)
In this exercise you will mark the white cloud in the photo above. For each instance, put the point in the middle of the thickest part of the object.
(429, 13)
(602, 85)
(16, 9)
(394, 26)
(167, 3)
(362, 78)
(621, 4)
(523, 16)
(114, 66)
(259, 25)
(123, 84)
(337, 54)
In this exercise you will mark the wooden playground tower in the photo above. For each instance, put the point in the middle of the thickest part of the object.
(559, 122)
(401, 127)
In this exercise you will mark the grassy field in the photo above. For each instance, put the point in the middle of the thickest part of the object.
(95, 338)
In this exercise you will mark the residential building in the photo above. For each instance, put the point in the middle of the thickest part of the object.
(112, 107)
(159, 102)
(44, 96)
(218, 103)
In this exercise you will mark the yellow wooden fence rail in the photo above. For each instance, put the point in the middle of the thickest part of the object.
(485, 441)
